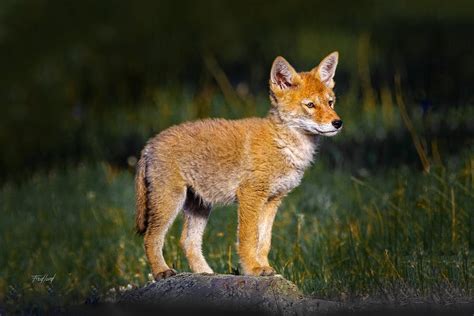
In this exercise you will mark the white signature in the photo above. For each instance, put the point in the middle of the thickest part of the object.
(42, 278)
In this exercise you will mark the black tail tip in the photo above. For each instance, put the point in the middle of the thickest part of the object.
(139, 231)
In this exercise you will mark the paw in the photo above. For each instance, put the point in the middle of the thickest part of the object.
(206, 273)
(201, 269)
(165, 274)
(263, 271)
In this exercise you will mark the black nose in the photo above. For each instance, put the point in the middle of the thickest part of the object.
(337, 123)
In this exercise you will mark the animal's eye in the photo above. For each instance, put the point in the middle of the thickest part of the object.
(331, 103)
(310, 105)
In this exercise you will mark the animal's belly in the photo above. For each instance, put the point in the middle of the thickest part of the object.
(214, 188)
(218, 194)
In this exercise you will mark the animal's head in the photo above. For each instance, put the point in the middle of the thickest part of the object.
(306, 100)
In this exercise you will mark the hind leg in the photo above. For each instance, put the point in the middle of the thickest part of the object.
(195, 220)
(164, 206)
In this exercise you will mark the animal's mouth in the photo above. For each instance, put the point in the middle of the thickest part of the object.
(326, 133)
(314, 128)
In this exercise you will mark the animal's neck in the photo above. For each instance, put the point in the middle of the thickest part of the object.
(297, 146)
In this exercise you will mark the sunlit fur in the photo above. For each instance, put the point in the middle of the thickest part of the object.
(254, 162)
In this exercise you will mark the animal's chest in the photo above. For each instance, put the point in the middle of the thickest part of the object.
(296, 155)
(284, 183)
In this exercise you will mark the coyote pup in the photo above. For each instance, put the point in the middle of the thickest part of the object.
(254, 162)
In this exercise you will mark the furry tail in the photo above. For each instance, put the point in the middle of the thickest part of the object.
(141, 197)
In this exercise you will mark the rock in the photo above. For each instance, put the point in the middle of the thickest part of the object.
(274, 295)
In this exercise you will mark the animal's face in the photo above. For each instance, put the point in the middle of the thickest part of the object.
(306, 100)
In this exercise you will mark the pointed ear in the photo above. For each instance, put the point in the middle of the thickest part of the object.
(326, 70)
(283, 75)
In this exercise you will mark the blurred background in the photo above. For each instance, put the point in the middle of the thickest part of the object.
(84, 84)
(92, 80)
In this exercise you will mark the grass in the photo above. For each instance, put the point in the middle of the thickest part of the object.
(338, 236)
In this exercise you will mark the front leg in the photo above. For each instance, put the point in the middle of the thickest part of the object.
(267, 217)
(251, 203)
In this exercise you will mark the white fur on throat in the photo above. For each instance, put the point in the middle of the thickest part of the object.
(299, 154)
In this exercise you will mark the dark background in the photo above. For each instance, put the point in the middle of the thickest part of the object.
(67, 68)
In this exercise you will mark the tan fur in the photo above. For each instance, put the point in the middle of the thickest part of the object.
(253, 161)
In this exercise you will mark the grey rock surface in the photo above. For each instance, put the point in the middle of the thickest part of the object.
(270, 295)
